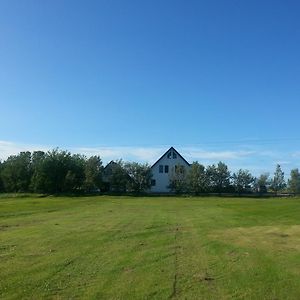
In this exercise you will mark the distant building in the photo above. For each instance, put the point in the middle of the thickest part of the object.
(164, 169)
(107, 175)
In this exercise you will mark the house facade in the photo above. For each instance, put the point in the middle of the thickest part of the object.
(164, 169)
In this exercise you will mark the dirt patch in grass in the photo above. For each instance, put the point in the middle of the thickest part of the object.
(286, 238)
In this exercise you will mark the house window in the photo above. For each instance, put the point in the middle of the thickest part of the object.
(161, 168)
(169, 154)
(153, 182)
(166, 169)
(174, 155)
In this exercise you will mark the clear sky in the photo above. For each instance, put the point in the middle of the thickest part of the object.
(219, 80)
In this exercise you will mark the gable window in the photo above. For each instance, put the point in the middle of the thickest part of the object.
(174, 155)
(166, 169)
(153, 182)
(161, 168)
(169, 154)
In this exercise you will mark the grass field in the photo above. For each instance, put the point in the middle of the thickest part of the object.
(149, 248)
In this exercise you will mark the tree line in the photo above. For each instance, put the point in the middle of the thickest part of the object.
(59, 171)
(219, 179)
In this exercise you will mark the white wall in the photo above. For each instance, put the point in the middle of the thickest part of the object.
(163, 179)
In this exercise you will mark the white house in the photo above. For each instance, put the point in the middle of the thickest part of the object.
(164, 169)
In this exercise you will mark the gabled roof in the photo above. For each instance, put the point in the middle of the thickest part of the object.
(107, 171)
(172, 148)
(110, 164)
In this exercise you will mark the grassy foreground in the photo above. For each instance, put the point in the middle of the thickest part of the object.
(149, 248)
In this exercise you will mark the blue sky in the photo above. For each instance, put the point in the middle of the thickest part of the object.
(219, 80)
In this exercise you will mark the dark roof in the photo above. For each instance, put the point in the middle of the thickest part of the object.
(172, 148)
(110, 164)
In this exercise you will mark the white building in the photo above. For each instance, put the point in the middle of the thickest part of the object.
(164, 169)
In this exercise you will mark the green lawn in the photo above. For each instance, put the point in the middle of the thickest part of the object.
(149, 248)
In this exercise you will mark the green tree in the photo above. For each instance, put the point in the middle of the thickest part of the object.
(211, 177)
(93, 174)
(118, 179)
(178, 180)
(242, 181)
(278, 182)
(218, 177)
(1, 182)
(56, 172)
(16, 172)
(223, 177)
(262, 183)
(75, 176)
(36, 161)
(197, 179)
(294, 181)
(139, 176)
